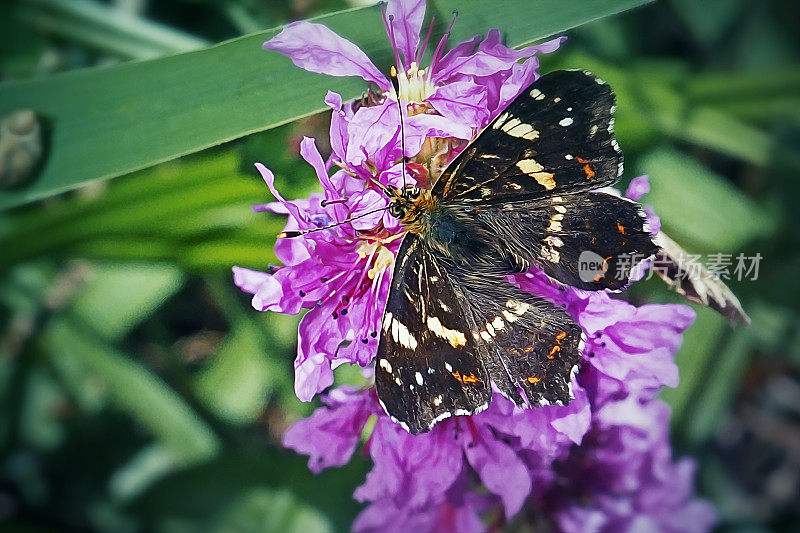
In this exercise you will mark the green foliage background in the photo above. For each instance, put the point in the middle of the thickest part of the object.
(138, 390)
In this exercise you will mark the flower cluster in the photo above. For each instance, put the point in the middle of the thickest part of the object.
(603, 462)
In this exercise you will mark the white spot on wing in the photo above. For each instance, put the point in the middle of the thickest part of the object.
(551, 255)
(500, 120)
(454, 337)
(554, 241)
(516, 128)
(418, 377)
(566, 121)
(401, 334)
(517, 307)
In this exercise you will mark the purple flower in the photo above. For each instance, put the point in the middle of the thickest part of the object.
(466, 85)
(603, 462)
(624, 479)
(342, 275)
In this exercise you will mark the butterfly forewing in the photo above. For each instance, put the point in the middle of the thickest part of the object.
(428, 366)
(556, 137)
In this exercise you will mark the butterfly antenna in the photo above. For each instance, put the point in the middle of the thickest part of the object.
(299, 233)
(396, 85)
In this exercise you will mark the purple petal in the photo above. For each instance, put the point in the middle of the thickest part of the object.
(291, 207)
(312, 374)
(338, 130)
(316, 48)
(309, 152)
(249, 280)
(572, 420)
(522, 75)
(638, 187)
(373, 130)
(385, 516)
(491, 58)
(460, 52)
(414, 469)
(330, 435)
(500, 469)
(265, 288)
(369, 201)
(547, 47)
(461, 102)
(408, 16)
(422, 126)
(580, 519)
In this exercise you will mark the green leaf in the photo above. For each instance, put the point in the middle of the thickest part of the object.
(137, 391)
(720, 387)
(109, 121)
(271, 511)
(719, 131)
(237, 382)
(188, 496)
(698, 351)
(119, 296)
(108, 29)
(699, 208)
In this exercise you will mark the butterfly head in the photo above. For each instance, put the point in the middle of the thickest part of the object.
(410, 204)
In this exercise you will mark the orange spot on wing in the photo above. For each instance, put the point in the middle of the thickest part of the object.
(561, 336)
(587, 169)
(464, 378)
(620, 228)
(529, 349)
(555, 349)
(604, 269)
(533, 379)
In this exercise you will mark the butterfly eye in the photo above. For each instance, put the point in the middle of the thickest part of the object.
(397, 210)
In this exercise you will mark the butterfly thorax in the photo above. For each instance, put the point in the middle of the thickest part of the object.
(454, 233)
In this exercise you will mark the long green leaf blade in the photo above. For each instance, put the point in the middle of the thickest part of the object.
(109, 121)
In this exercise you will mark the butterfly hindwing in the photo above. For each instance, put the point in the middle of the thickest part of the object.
(529, 343)
(556, 137)
(427, 366)
(591, 241)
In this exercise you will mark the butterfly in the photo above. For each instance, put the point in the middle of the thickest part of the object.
(522, 194)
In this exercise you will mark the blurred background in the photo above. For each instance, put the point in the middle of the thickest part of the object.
(140, 391)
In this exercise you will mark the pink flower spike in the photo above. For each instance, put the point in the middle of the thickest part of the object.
(316, 48)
